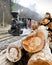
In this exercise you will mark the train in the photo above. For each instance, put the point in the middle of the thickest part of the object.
(17, 24)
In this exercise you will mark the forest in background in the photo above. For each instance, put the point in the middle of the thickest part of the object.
(5, 8)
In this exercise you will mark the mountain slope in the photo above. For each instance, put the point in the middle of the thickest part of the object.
(25, 12)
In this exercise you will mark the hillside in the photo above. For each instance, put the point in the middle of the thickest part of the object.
(5, 6)
(26, 12)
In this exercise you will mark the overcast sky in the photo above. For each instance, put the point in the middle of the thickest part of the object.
(41, 6)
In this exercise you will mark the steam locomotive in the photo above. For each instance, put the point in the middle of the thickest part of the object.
(17, 24)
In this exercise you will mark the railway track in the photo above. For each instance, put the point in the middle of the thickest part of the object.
(7, 39)
(2, 33)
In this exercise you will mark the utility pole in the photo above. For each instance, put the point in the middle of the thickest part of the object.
(3, 19)
(3, 5)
